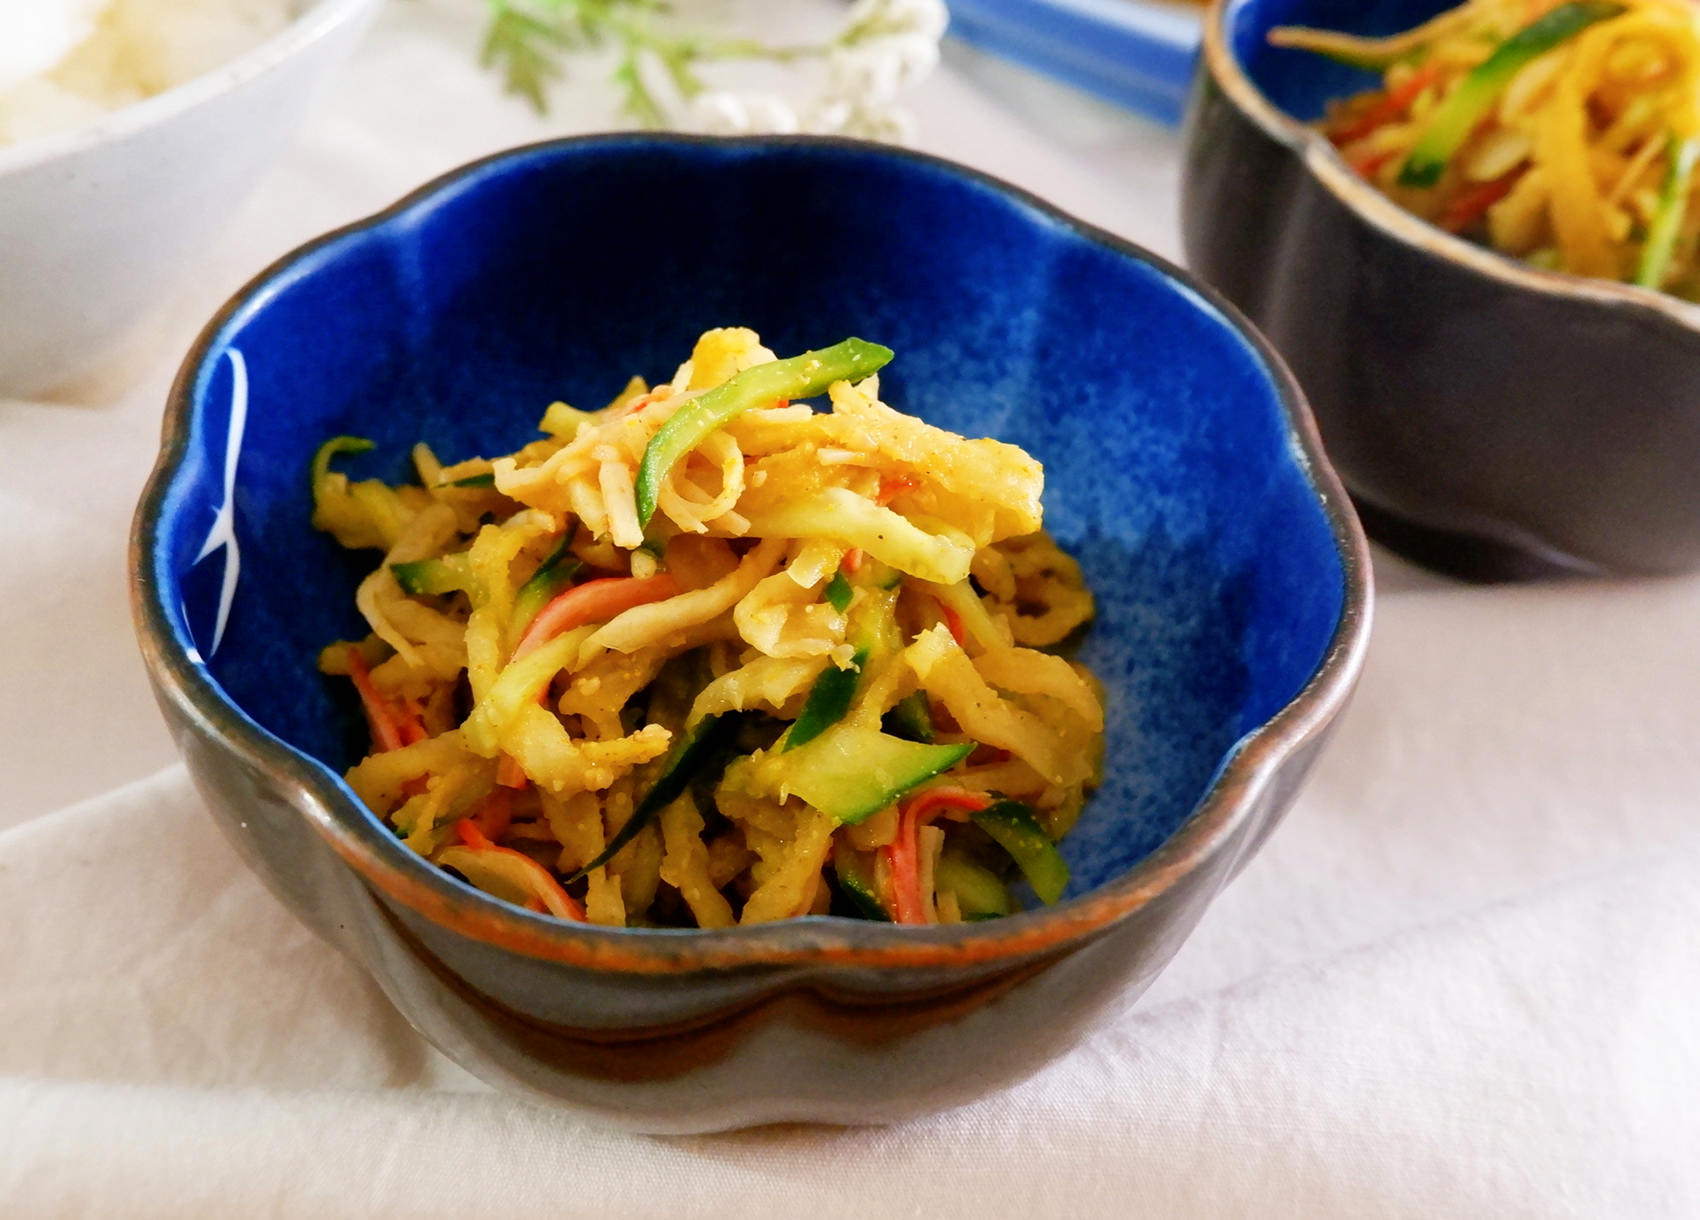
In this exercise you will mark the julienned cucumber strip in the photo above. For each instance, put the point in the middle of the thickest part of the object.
(320, 466)
(851, 772)
(978, 890)
(839, 592)
(827, 702)
(1455, 118)
(689, 755)
(434, 577)
(911, 718)
(802, 376)
(858, 887)
(1667, 222)
(554, 574)
(1016, 830)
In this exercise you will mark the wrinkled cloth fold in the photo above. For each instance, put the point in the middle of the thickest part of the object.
(178, 1043)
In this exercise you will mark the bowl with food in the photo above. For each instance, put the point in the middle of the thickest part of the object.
(1471, 230)
(741, 631)
(128, 130)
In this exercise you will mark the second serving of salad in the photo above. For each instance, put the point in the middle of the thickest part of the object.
(1565, 134)
(709, 655)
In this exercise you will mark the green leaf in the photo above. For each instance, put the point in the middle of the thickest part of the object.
(526, 49)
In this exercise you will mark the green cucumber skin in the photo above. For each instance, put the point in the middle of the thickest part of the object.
(867, 906)
(320, 465)
(850, 772)
(803, 376)
(876, 798)
(555, 573)
(860, 892)
(1019, 833)
(1673, 205)
(911, 718)
(839, 592)
(1451, 124)
(414, 578)
(827, 702)
(878, 575)
(979, 892)
(678, 769)
(431, 577)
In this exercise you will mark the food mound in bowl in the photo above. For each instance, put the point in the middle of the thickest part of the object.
(64, 63)
(1564, 134)
(710, 656)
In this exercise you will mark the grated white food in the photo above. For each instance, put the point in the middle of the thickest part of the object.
(64, 63)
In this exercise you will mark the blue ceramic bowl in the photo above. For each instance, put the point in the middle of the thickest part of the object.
(1232, 586)
(1489, 417)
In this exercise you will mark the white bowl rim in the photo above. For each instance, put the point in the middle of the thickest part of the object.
(318, 20)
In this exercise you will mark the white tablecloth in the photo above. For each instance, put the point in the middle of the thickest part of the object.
(1463, 979)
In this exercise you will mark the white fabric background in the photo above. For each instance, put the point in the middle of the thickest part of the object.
(1463, 979)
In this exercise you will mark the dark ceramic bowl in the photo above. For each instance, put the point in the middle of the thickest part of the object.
(1487, 416)
(1231, 578)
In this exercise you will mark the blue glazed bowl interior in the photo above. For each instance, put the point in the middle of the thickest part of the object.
(1302, 83)
(557, 272)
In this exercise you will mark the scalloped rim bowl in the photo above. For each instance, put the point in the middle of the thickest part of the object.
(1492, 418)
(1356, 192)
(1257, 777)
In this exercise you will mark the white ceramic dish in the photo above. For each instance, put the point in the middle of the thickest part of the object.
(97, 223)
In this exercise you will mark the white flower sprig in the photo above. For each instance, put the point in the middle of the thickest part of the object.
(883, 49)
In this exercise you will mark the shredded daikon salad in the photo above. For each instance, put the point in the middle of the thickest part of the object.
(1564, 134)
(712, 656)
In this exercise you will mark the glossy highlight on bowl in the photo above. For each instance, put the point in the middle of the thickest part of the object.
(1231, 578)
(1488, 416)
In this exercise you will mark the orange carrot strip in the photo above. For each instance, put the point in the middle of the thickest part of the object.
(953, 620)
(510, 774)
(1473, 204)
(495, 813)
(1366, 166)
(412, 721)
(903, 854)
(390, 730)
(467, 831)
(852, 560)
(594, 601)
(890, 489)
(1390, 107)
(561, 904)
